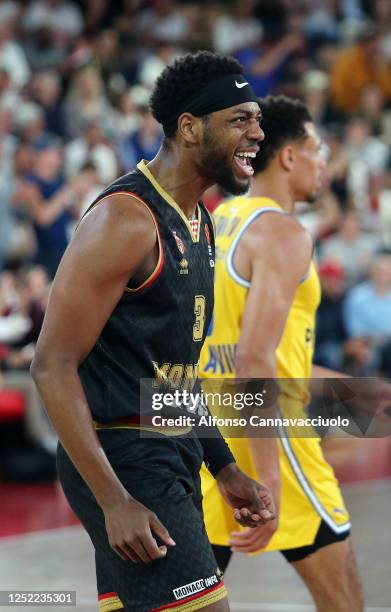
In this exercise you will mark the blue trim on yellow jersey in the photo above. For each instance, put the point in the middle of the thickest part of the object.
(243, 282)
(306, 486)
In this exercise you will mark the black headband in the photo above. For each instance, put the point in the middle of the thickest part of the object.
(225, 92)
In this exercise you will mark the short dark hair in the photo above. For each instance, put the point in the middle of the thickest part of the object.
(283, 120)
(180, 80)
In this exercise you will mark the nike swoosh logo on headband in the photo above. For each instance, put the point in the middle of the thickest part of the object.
(240, 85)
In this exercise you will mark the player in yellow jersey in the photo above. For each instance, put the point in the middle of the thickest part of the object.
(266, 296)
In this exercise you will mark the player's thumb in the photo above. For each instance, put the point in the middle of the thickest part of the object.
(159, 530)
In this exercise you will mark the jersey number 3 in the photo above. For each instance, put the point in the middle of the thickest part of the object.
(199, 311)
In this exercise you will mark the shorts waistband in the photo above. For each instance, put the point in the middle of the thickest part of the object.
(134, 422)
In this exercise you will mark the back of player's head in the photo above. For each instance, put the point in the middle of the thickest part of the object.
(283, 121)
(183, 79)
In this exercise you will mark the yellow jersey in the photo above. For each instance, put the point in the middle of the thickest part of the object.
(309, 489)
(295, 351)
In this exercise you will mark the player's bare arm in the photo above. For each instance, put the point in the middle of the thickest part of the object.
(117, 240)
(275, 274)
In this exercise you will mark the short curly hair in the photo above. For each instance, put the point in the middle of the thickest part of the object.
(283, 120)
(180, 80)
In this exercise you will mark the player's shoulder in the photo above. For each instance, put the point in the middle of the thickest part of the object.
(119, 213)
(279, 235)
(277, 223)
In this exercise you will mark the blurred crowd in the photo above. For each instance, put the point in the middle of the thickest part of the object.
(75, 80)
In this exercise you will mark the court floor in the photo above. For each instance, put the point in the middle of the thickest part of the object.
(61, 558)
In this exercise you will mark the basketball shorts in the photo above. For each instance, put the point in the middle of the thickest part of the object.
(163, 474)
(310, 494)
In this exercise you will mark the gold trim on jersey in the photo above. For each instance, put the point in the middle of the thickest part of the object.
(159, 261)
(165, 431)
(142, 166)
(114, 603)
(159, 264)
(199, 602)
(110, 604)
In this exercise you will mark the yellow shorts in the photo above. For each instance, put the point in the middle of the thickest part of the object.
(309, 494)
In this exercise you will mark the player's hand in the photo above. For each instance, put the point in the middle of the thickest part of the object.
(252, 503)
(131, 529)
(250, 540)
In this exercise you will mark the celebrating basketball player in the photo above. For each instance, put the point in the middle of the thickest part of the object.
(132, 300)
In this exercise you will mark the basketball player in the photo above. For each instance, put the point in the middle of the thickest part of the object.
(267, 293)
(132, 299)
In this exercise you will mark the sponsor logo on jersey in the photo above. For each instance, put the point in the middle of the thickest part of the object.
(179, 242)
(183, 266)
(195, 587)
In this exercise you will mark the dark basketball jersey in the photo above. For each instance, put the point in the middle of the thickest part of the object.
(157, 329)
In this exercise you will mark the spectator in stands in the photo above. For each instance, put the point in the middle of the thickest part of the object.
(164, 22)
(9, 96)
(367, 316)
(48, 202)
(154, 63)
(91, 146)
(362, 64)
(372, 106)
(30, 124)
(127, 116)
(314, 87)
(330, 328)
(351, 248)
(61, 18)
(238, 30)
(7, 151)
(106, 53)
(87, 101)
(89, 188)
(46, 90)
(367, 163)
(333, 348)
(23, 301)
(143, 144)
(264, 63)
(12, 56)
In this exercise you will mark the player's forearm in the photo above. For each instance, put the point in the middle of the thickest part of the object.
(318, 374)
(266, 460)
(258, 364)
(67, 407)
(264, 450)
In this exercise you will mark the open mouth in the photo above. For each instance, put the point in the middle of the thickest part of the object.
(243, 161)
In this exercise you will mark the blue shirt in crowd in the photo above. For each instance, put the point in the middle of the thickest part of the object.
(366, 312)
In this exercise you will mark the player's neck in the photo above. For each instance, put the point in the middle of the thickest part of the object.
(272, 185)
(179, 178)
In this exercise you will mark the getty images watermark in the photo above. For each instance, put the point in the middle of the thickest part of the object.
(272, 407)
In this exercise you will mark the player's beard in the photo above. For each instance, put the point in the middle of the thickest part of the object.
(217, 166)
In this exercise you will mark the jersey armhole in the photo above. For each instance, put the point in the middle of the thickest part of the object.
(159, 265)
(308, 273)
(243, 282)
(160, 261)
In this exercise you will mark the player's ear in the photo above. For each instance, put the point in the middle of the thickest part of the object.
(287, 157)
(190, 128)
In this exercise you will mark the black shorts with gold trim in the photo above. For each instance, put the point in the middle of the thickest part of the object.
(162, 473)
